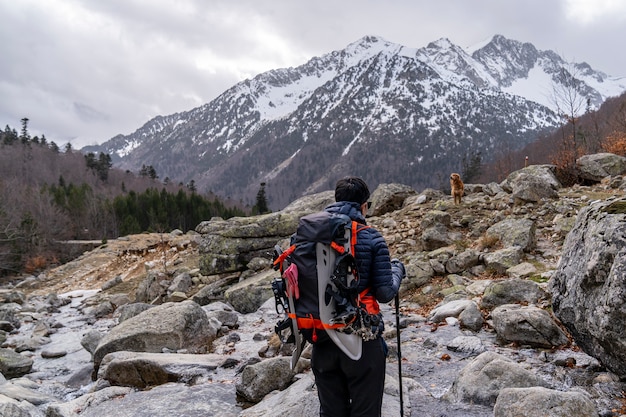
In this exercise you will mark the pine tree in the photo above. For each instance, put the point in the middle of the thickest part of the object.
(24, 135)
(261, 201)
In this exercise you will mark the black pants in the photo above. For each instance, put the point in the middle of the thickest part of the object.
(348, 388)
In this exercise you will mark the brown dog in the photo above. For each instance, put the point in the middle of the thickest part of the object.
(457, 187)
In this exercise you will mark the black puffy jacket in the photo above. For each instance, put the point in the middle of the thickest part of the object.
(372, 256)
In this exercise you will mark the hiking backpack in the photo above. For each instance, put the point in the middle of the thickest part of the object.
(317, 289)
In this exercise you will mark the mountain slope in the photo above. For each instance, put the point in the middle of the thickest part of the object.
(375, 109)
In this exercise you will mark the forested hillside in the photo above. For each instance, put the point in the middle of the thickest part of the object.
(603, 130)
(49, 196)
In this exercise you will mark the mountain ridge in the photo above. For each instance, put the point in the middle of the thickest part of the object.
(384, 111)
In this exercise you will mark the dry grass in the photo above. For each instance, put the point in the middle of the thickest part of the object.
(487, 242)
(35, 264)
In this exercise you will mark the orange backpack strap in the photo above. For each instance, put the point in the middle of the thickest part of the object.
(356, 228)
(281, 258)
(337, 247)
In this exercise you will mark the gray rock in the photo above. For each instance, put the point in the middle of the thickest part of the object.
(12, 296)
(418, 273)
(492, 188)
(90, 340)
(435, 237)
(543, 402)
(103, 309)
(512, 291)
(131, 310)
(471, 318)
(151, 288)
(389, 197)
(300, 399)
(171, 326)
(523, 270)
(112, 282)
(53, 354)
(503, 259)
(8, 313)
(311, 203)
(467, 344)
(264, 377)
(462, 262)
(597, 166)
(141, 369)
(13, 408)
(14, 390)
(527, 325)
(588, 288)
(13, 365)
(247, 296)
(180, 283)
(515, 232)
(224, 313)
(482, 379)
(451, 309)
(434, 218)
(229, 245)
(533, 183)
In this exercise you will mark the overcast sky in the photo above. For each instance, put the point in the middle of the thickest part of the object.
(85, 70)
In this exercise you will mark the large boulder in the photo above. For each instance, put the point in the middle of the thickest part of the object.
(597, 166)
(589, 289)
(229, 245)
(13, 364)
(543, 402)
(311, 203)
(263, 377)
(141, 369)
(533, 183)
(171, 326)
(527, 325)
(248, 295)
(511, 291)
(515, 232)
(480, 381)
(215, 399)
(389, 197)
(10, 407)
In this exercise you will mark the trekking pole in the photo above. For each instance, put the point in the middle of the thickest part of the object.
(399, 353)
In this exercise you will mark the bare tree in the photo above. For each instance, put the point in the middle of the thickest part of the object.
(570, 101)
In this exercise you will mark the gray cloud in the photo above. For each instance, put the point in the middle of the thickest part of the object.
(86, 70)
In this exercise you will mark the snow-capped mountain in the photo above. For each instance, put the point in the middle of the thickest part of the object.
(380, 110)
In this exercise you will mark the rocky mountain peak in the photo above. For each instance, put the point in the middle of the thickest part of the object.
(380, 110)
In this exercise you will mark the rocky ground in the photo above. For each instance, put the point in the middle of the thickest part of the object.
(433, 353)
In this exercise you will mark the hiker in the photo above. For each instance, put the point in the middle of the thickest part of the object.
(349, 387)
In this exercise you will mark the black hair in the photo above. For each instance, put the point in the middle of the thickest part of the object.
(352, 189)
